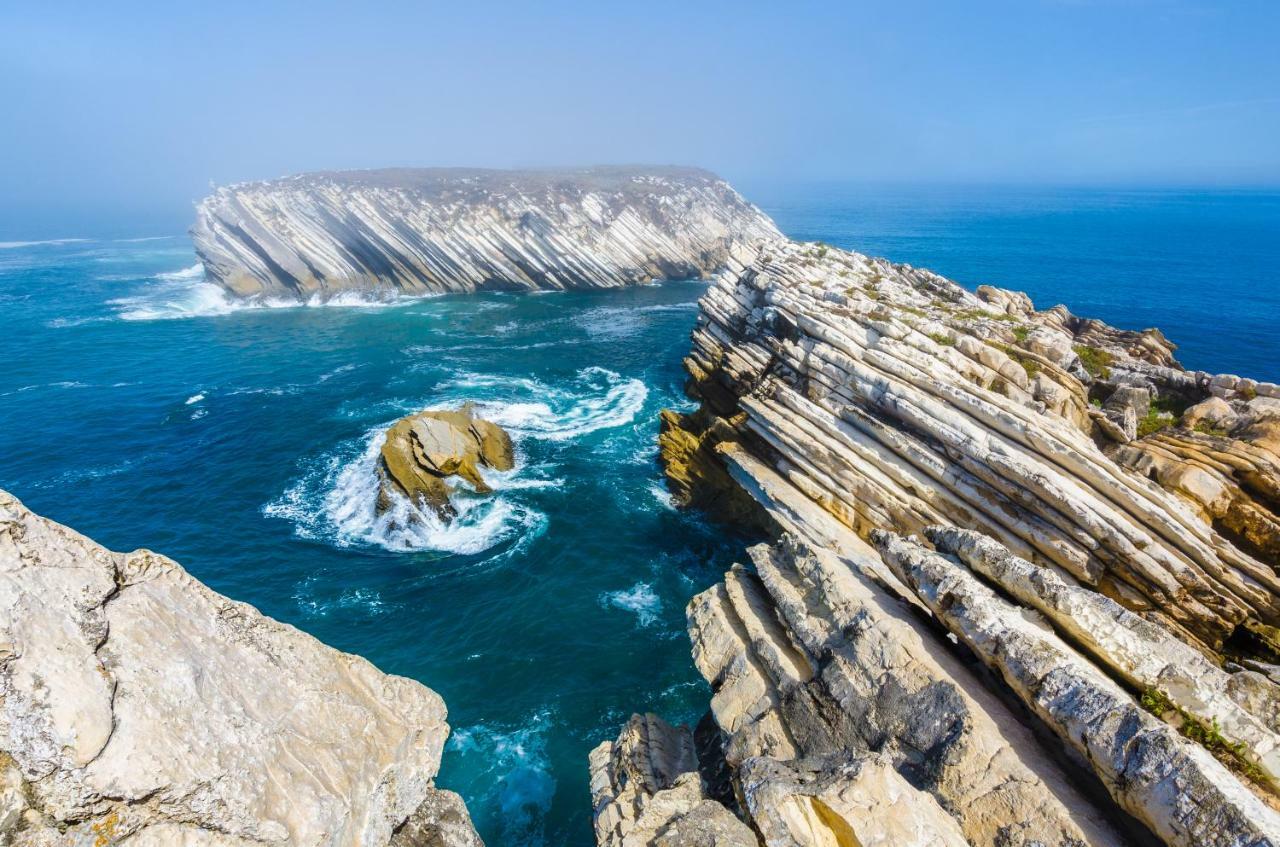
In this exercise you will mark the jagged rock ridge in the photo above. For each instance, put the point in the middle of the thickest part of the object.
(957, 480)
(420, 231)
(138, 706)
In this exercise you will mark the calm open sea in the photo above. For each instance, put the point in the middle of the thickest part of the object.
(140, 407)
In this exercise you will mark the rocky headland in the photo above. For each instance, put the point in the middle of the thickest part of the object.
(423, 231)
(424, 451)
(1021, 585)
(139, 707)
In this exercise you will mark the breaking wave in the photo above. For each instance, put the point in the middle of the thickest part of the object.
(338, 502)
(597, 398)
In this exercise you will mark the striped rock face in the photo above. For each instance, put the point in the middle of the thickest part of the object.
(424, 231)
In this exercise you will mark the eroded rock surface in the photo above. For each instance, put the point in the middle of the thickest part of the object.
(1023, 588)
(139, 707)
(419, 231)
(424, 450)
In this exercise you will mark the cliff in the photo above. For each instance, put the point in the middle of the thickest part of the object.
(138, 706)
(420, 231)
(1022, 588)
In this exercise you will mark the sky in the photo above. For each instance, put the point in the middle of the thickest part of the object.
(132, 111)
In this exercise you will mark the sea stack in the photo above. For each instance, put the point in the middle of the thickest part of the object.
(421, 231)
(424, 451)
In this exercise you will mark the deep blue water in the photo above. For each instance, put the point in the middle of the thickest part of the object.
(139, 408)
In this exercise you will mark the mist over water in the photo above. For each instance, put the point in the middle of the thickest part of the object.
(142, 407)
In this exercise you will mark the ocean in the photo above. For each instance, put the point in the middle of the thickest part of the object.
(142, 408)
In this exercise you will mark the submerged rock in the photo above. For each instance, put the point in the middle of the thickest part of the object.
(420, 231)
(422, 451)
(138, 706)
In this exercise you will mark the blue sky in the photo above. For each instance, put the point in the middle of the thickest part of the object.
(135, 108)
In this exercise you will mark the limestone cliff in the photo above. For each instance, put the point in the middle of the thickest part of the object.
(419, 231)
(1023, 586)
(139, 707)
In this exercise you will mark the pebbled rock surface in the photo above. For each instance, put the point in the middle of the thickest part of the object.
(422, 231)
(139, 707)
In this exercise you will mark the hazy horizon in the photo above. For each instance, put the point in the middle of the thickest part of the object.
(131, 113)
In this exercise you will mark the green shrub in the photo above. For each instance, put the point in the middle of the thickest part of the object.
(1096, 361)
(945, 340)
(1020, 333)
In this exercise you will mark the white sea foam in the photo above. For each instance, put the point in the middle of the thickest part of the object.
(660, 493)
(194, 272)
(337, 501)
(597, 398)
(194, 398)
(13, 245)
(512, 774)
(364, 600)
(639, 599)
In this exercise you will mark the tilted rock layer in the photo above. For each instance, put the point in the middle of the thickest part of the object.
(420, 231)
(1023, 587)
(139, 707)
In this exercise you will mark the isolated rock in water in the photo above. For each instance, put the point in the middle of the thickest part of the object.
(419, 231)
(646, 790)
(138, 706)
(422, 451)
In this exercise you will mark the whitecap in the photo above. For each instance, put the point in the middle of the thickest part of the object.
(338, 501)
(639, 599)
(194, 398)
(597, 399)
(194, 272)
(660, 493)
(13, 245)
(145, 238)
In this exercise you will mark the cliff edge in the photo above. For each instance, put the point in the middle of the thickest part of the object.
(1022, 587)
(138, 706)
(423, 231)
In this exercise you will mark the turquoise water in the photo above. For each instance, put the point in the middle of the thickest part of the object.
(139, 407)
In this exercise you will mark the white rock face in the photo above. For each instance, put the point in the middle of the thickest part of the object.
(1112, 566)
(139, 707)
(407, 231)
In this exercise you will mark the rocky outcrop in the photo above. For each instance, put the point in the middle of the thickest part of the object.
(139, 707)
(422, 231)
(895, 399)
(1021, 589)
(423, 451)
(646, 792)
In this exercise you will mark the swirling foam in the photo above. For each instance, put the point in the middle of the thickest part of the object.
(598, 398)
(640, 600)
(337, 502)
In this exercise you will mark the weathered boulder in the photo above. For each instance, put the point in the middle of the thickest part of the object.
(422, 451)
(646, 791)
(138, 706)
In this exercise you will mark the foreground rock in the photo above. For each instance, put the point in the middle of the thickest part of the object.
(137, 706)
(419, 231)
(956, 480)
(424, 450)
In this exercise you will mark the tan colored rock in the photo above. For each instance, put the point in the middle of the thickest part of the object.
(138, 706)
(809, 659)
(862, 801)
(646, 792)
(422, 451)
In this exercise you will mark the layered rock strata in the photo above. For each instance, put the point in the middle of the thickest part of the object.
(423, 452)
(139, 707)
(422, 231)
(1021, 591)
